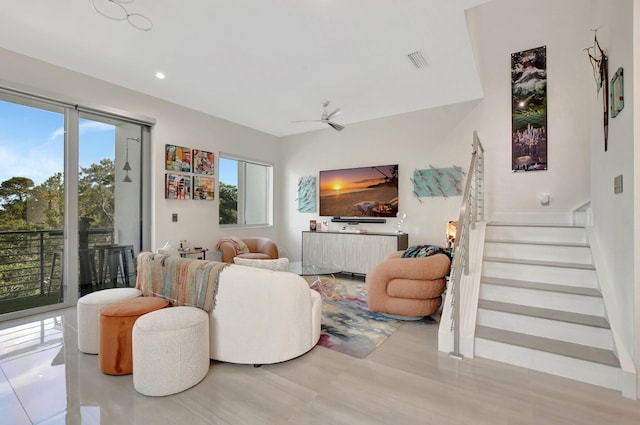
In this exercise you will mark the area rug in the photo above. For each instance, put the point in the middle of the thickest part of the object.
(347, 324)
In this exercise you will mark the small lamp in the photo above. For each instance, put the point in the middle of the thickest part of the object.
(452, 229)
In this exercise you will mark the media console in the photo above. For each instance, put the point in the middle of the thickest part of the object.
(356, 253)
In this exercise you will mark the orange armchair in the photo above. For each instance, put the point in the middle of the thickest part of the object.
(408, 286)
(259, 248)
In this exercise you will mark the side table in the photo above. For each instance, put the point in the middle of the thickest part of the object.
(194, 251)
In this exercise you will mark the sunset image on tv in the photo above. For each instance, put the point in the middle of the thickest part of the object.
(365, 191)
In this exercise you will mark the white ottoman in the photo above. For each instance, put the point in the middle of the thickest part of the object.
(170, 350)
(89, 315)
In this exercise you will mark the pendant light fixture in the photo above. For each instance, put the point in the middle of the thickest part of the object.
(116, 11)
(127, 166)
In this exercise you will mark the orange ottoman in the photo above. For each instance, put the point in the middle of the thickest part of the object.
(116, 325)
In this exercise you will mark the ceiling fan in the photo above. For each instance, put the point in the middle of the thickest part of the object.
(326, 117)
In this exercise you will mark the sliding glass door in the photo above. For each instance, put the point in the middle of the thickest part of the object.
(70, 202)
(31, 203)
(109, 207)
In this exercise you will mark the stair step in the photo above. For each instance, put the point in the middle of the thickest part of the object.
(549, 287)
(538, 252)
(552, 225)
(563, 331)
(540, 263)
(542, 233)
(568, 349)
(543, 243)
(545, 313)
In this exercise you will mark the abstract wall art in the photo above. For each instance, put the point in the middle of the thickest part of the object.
(437, 182)
(204, 188)
(177, 186)
(306, 194)
(177, 158)
(203, 162)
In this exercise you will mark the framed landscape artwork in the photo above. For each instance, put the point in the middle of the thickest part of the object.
(204, 188)
(529, 110)
(177, 158)
(177, 186)
(203, 162)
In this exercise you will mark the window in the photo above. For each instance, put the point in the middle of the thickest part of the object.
(245, 192)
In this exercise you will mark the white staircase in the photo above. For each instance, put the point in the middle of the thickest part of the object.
(540, 306)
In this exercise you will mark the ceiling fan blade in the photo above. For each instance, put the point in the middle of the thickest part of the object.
(307, 121)
(335, 126)
(338, 111)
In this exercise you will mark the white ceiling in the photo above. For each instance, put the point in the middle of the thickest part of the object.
(262, 63)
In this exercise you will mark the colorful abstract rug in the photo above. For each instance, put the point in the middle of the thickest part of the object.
(348, 326)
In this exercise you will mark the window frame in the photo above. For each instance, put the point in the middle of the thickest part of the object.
(242, 191)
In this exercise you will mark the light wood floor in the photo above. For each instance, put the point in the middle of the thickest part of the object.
(404, 381)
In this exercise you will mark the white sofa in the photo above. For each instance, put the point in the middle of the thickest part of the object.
(263, 316)
(260, 317)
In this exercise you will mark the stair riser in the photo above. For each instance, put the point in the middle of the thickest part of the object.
(579, 370)
(552, 329)
(536, 234)
(543, 274)
(593, 306)
(565, 254)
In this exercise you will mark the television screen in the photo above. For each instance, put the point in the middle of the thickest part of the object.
(359, 192)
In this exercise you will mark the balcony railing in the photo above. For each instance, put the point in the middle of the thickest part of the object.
(31, 265)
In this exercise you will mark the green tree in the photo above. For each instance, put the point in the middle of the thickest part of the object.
(13, 195)
(97, 198)
(46, 205)
(228, 204)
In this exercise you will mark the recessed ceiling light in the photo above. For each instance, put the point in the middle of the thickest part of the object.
(160, 76)
(417, 59)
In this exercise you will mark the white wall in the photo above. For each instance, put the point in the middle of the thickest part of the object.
(636, 178)
(442, 136)
(197, 220)
(613, 214)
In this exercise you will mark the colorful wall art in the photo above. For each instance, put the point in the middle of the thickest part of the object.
(529, 110)
(177, 186)
(204, 188)
(434, 182)
(203, 162)
(177, 158)
(306, 194)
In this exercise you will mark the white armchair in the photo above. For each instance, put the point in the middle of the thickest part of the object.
(263, 316)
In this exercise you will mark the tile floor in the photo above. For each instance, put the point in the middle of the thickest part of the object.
(45, 380)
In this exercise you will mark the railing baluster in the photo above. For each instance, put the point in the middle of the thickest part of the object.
(471, 211)
(41, 263)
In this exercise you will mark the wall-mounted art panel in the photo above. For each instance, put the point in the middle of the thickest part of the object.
(529, 110)
(177, 158)
(203, 162)
(434, 182)
(204, 188)
(177, 186)
(306, 194)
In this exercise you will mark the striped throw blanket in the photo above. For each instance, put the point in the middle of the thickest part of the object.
(238, 244)
(182, 281)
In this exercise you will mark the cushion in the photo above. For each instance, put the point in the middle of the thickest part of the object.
(281, 264)
(421, 251)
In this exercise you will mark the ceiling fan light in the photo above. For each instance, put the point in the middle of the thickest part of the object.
(417, 59)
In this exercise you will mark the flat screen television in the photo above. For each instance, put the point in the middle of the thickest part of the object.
(359, 192)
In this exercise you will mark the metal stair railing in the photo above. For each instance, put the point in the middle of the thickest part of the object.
(471, 211)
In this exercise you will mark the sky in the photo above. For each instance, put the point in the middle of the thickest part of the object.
(32, 142)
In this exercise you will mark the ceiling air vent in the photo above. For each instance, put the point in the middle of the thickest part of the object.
(417, 59)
